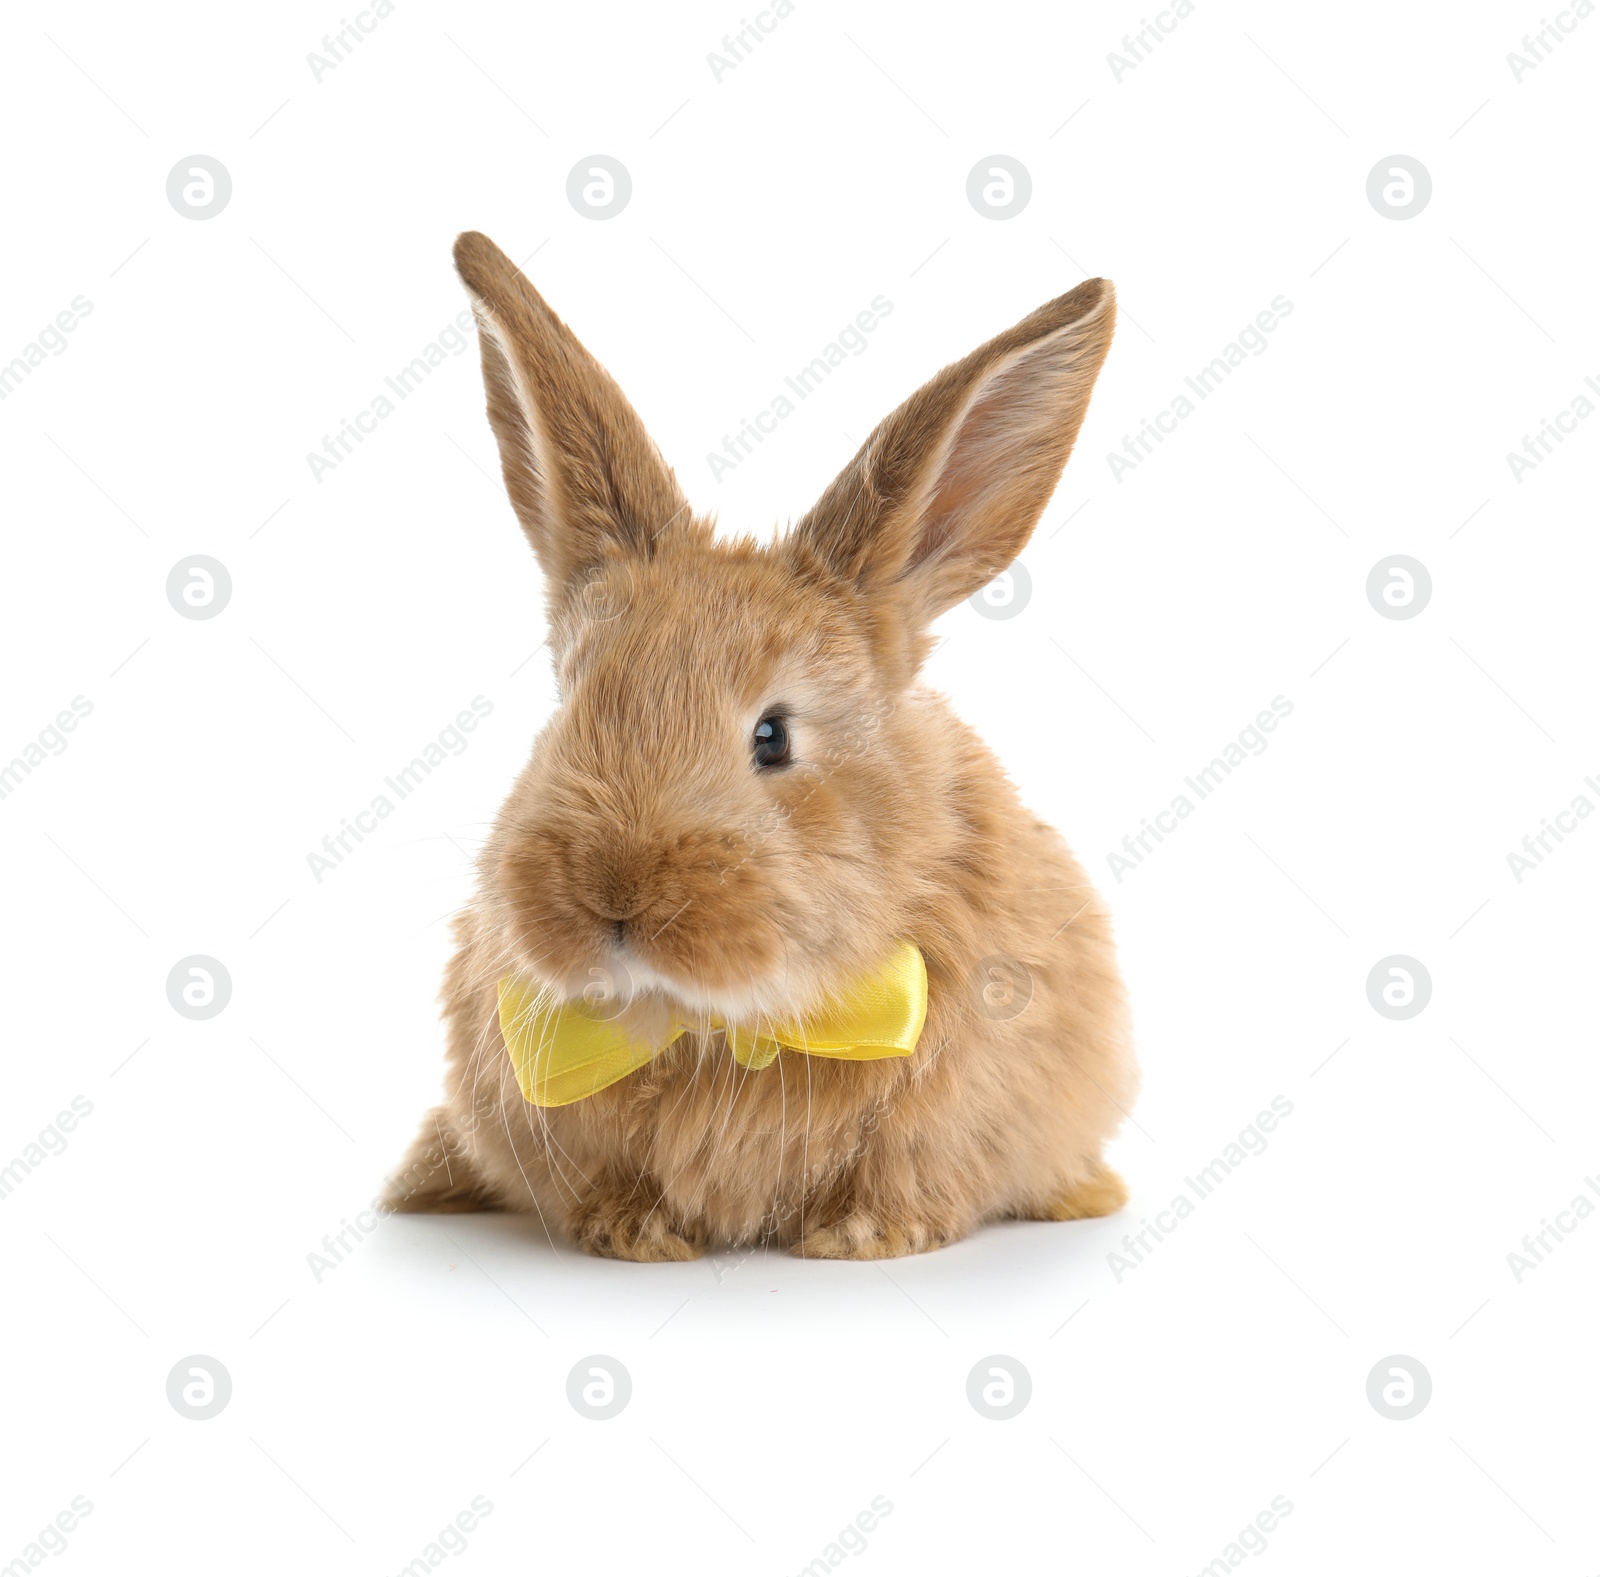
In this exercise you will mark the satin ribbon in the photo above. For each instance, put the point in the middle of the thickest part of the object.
(563, 1052)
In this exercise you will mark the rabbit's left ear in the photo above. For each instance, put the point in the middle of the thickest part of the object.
(947, 490)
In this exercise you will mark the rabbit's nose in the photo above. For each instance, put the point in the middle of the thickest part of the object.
(614, 904)
(618, 878)
(615, 886)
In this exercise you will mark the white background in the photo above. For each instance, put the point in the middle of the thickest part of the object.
(773, 1400)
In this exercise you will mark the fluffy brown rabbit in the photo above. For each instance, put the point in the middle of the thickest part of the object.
(727, 880)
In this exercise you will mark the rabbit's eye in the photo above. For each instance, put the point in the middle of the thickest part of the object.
(771, 742)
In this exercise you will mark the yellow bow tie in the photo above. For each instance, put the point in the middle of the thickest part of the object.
(563, 1052)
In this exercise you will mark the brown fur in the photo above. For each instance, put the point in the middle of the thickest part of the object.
(640, 840)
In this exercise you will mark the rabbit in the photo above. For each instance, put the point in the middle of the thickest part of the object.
(744, 798)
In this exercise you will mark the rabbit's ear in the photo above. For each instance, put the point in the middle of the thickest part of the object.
(582, 473)
(947, 490)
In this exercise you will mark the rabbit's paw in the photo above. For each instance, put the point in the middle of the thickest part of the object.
(865, 1234)
(634, 1226)
(1099, 1193)
(437, 1176)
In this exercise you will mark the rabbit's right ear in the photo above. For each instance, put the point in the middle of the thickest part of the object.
(583, 475)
